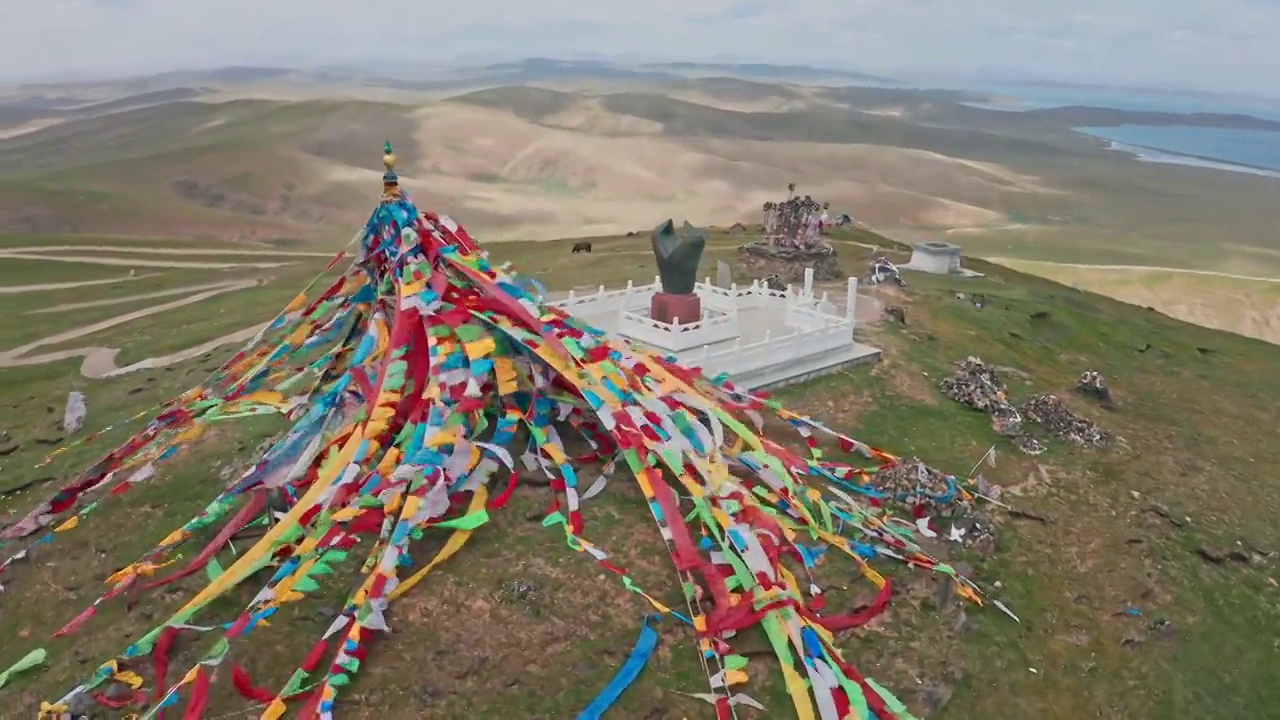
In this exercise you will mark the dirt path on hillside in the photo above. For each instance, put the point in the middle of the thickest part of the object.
(42, 287)
(1027, 265)
(106, 302)
(143, 250)
(100, 362)
(92, 260)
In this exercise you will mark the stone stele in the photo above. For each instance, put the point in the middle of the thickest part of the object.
(677, 255)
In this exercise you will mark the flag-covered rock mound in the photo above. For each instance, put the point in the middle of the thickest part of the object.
(415, 384)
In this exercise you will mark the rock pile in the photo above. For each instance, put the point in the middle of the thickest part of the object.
(977, 385)
(1049, 413)
(910, 477)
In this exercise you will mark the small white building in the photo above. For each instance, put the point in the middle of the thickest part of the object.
(937, 258)
(760, 337)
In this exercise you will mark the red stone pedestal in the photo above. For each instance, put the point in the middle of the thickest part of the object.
(666, 308)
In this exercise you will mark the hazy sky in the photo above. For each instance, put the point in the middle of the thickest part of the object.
(1227, 44)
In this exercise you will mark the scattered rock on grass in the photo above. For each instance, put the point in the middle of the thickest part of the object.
(1164, 512)
(1029, 444)
(929, 698)
(520, 592)
(73, 415)
(1092, 384)
(1163, 630)
(1218, 556)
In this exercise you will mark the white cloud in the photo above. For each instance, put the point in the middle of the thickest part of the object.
(1227, 43)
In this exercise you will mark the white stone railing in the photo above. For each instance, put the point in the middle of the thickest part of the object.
(814, 324)
(630, 318)
(715, 326)
(772, 350)
(606, 299)
(717, 298)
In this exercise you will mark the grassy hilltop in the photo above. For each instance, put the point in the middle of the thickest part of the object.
(515, 626)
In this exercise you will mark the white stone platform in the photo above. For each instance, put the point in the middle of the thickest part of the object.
(938, 258)
(761, 337)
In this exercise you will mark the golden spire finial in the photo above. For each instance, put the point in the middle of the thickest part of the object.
(388, 157)
(390, 181)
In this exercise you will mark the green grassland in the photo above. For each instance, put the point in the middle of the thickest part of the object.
(1197, 416)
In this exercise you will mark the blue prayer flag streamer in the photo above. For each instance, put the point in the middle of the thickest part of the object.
(627, 674)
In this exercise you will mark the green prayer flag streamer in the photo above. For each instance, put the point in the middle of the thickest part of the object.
(32, 659)
(213, 569)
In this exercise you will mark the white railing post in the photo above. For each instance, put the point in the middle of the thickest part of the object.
(851, 302)
(808, 282)
(630, 285)
(657, 280)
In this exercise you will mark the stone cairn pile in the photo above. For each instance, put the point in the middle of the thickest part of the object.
(911, 477)
(940, 509)
(1049, 413)
(977, 385)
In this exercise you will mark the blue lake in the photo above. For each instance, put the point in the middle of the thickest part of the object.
(1247, 148)
(1240, 150)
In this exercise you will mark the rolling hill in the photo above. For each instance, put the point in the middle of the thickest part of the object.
(519, 162)
(266, 155)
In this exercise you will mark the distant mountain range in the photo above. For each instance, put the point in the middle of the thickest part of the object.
(519, 72)
(855, 90)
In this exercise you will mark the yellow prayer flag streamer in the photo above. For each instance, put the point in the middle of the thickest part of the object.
(249, 562)
(454, 544)
(480, 348)
(130, 678)
(296, 304)
(275, 710)
(799, 692)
